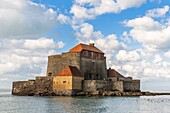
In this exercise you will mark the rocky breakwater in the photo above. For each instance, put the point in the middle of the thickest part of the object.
(109, 93)
(117, 93)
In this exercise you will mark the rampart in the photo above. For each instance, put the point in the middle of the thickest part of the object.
(133, 85)
(24, 87)
(56, 63)
(94, 85)
(40, 86)
(93, 69)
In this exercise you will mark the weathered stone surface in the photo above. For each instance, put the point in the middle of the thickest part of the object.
(91, 68)
(81, 94)
(56, 63)
(133, 85)
(118, 86)
(94, 85)
(94, 93)
(23, 88)
(64, 92)
(43, 86)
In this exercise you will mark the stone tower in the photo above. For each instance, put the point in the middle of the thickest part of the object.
(87, 58)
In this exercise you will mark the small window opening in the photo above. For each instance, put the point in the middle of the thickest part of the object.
(49, 74)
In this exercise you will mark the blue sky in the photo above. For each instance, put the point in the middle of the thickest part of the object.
(134, 35)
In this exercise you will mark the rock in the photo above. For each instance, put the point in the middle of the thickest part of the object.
(80, 94)
(126, 94)
(116, 93)
(94, 93)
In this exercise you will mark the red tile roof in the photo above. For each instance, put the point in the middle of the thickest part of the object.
(114, 73)
(70, 71)
(81, 47)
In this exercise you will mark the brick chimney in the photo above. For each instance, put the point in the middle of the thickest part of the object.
(91, 44)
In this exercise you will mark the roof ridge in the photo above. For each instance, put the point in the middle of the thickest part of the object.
(81, 46)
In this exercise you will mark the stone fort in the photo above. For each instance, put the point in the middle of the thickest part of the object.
(82, 69)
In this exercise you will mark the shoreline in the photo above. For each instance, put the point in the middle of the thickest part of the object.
(104, 93)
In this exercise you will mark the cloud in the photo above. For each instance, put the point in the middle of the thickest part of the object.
(64, 19)
(144, 23)
(81, 12)
(124, 56)
(109, 44)
(23, 18)
(157, 12)
(157, 59)
(89, 9)
(150, 33)
(85, 33)
(167, 54)
(41, 43)
(138, 65)
(60, 44)
(26, 58)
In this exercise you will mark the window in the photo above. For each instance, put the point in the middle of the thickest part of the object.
(49, 74)
(91, 54)
(97, 76)
(93, 63)
(99, 55)
(90, 76)
(64, 81)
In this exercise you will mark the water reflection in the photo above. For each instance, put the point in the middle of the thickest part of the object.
(76, 104)
(26, 104)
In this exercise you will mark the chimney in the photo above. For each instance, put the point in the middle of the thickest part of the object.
(91, 44)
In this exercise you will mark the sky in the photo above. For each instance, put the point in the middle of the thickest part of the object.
(134, 34)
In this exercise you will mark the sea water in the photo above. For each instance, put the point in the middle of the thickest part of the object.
(58, 104)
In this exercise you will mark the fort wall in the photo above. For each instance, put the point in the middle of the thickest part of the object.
(23, 87)
(133, 85)
(62, 83)
(43, 86)
(93, 69)
(40, 86)
(115, 86)
(94, 85)
(77, 83)
(56, 63)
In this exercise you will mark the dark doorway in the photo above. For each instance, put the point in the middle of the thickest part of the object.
(90, 76)
(97, 77)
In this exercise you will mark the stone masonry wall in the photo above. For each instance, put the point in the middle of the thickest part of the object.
(94, 85)
(40, 86)
(133, 85)
(115, 86)
(23, 87)
(93, 69)
(57, 63)
(43, 86)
